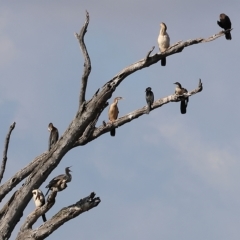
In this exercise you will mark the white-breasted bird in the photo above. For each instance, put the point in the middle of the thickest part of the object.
(39, 200)
(163, 41)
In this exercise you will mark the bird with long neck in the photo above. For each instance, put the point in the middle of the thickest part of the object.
(163, 41)
(226, 24)
(113, 114)
(53, 137)
(179, 90)
(59, 183)
(39, 200)
(149, 99)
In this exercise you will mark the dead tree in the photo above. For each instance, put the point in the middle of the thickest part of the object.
(81, 131)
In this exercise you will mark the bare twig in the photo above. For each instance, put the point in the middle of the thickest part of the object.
(87, 62)
(148, 54)
(135, 114)
(4, 161)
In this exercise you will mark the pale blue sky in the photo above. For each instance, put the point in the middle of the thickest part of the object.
(164, 176)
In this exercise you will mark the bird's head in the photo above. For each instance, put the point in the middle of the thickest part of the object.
(148, 89)
(163, 25)
(50, 127)
(177, 83)
(35, 192)
(117, 99)
(68, 169)
(222, 16)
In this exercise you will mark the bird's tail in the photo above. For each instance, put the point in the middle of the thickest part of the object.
(47, 192)
(148, 108)
(113, 132)
(44, 218)
(163, 61)
(183, 107)
(228, 36)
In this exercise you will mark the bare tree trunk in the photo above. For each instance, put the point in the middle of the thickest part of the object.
(81, 131)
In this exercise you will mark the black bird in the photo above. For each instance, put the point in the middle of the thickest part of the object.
(226, 24)
(179, 90)
(149, 99)
(39, 200)
(53, 138)
(59, 183)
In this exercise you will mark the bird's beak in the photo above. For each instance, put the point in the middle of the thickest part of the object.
(70, 169)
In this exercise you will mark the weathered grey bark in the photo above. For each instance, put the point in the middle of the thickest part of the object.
(80, 131)
(64, 215)
(4, 161)
(87, 62)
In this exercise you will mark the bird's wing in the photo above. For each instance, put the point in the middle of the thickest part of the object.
(220, 24)
(49, 141)
(228, 21)
(56, 135)
(152, 98)
(55, 180)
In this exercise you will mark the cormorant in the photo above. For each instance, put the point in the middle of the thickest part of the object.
(53, 138)
(163, 41)
(225, 23)
(113, 114)
(149, 99)
(39, 200)
(179, 90)
(59, 183)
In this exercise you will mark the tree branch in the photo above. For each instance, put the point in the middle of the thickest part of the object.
(87, 62)
(4, 161)
(149, 60)
(38, 212)
(64, 215)
(135, 114)
(20, 175)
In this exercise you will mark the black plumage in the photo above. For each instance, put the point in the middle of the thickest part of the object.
(149, 99)
(226, 24)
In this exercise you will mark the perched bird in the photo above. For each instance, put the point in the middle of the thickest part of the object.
(180, 91)
(226, 24)
(113, 113)
(163, 41)
(39, 200)
(149, 99)
(53, 138)
(59, 183)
